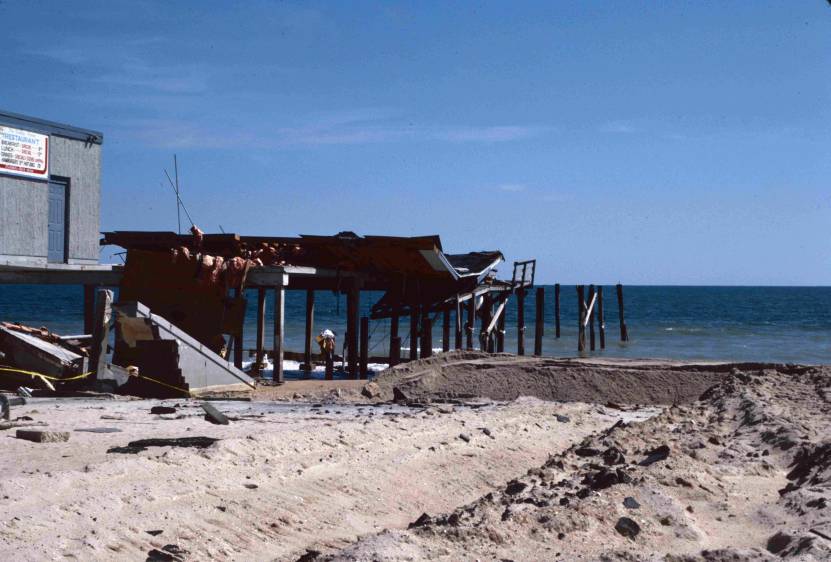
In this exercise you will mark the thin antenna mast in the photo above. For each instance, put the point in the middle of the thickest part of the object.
(178, 198)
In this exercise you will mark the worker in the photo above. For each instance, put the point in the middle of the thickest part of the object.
(326, 341)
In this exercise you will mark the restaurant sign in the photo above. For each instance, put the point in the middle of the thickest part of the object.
(24, 153)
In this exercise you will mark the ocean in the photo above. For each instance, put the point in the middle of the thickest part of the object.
(771, 324)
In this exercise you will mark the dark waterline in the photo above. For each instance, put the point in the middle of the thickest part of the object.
(778, 324)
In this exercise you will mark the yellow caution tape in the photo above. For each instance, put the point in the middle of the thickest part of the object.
(186, 391)
(47, 377)
(85, 375)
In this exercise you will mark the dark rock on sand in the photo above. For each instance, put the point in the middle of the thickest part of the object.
(631, 503)
(162, 410)
(627, 527)
(655, 455)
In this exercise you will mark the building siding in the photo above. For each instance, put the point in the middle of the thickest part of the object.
(24, 206)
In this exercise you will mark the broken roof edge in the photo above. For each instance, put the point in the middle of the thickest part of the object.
(457, 266)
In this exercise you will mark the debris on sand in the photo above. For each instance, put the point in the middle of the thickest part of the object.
(134, 447)
(39, 436)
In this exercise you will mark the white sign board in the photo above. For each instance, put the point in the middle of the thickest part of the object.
(24, 153)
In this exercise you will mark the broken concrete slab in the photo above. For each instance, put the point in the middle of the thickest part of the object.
(213, 415)
(42, 436)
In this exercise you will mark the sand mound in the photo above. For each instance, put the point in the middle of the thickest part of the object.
(742, 474)
(470, 374)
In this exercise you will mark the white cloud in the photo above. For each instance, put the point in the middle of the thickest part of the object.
(619, 127)
(511, 187)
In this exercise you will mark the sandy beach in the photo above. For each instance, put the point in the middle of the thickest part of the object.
(718, 462)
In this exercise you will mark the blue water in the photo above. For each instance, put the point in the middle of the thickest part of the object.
(782, 324)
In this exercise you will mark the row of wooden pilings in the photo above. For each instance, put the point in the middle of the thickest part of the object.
(491, 335)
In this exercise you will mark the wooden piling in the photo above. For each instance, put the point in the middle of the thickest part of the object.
(601, 321)
(557, 311)
(364, 372)
(500, 332)
(260, 356)
(486, 342)
(100, 332)
(581, 312)
(520, 322)
(395, 342)
(591, 297)
(89, 309)
(459, 325)
(414, 313)
(539, 320)
(445, 331)
(353, 308)
(309, 335)
(471, 321)
(238, 337)
(279, 326)
(426, 333)
(624, 332)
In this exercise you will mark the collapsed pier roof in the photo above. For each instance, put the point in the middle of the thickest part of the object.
(387, 256)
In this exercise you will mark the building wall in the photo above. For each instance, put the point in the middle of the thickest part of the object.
(24, 206)
(81, 163)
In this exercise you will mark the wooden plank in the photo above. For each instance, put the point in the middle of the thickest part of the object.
(260, 358)
(279, 327)
(364, 372)
(539, 320)
(310, 315)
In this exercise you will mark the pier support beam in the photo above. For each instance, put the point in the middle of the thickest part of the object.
(500, 331)
(520, 322)
(591, 317)
(89, 308)
(624, 333)
(539, 320)
(471, 321)
(601, 321)
(485, 315)
(279, 327)
(395, 342)
(414, 311)
(100, 333)
(353, 306)
(445, 331)
(238, 337)
(581, 313)
(310, 319)
(426, 333)
(364, 372)
(260, 357)
(459, 324)
(557, 311)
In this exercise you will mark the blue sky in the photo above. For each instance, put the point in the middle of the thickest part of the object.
(647, 143)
